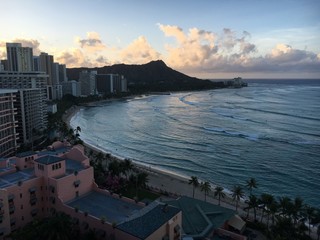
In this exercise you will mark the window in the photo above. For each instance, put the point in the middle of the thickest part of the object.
(76, 183)
(34, 212)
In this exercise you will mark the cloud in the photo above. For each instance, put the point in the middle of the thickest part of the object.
(73, 58)
(173, 31)
(138, 52)
(192, 49)
(198, 51)
(32, 43)
(92, 43)
(102, 61)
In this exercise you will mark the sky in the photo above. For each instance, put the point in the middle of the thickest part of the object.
(206, 38)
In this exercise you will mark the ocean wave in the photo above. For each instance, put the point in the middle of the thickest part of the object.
(252, 136)
(281, 113)
(183, 99)
(230, 113)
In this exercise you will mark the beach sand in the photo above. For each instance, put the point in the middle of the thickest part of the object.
(164, 181)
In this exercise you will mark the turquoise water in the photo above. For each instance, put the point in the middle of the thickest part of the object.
(269, 131)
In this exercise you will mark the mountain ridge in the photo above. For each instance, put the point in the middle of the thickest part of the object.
(152, 76)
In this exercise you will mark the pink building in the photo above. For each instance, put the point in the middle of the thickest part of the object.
(37, 184)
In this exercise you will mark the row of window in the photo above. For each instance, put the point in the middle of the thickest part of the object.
(56, 166)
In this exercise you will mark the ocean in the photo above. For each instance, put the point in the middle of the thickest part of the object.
(269, 131)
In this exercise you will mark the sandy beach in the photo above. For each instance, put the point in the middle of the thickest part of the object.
(164, 181)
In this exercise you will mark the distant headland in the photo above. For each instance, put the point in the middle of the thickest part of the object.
(154, 76)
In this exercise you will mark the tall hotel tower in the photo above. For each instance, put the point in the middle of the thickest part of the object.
(20, 59)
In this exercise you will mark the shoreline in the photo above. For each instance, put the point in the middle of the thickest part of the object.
(163, 180)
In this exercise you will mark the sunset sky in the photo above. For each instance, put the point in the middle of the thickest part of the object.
(205, 38)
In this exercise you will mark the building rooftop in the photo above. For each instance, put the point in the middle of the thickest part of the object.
(54, 151)
(199, 217)
(4, 91)
(102, 205)
(149, 221)
(25, 154)
(48, 159)
(13, 178)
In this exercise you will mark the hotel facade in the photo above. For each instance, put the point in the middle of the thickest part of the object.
(60, 179)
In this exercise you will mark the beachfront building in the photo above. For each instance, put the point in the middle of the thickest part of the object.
(71, 87)
(60, 179)
(111, 83)
(203, 220)
(87, 81)
(8, 123)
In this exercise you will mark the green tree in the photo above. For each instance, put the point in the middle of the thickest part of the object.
(296, 209)
(77, 131)
(99, 157)
(253, 204)
(114, 168)
(126, 166)
(218, 191)
(195, 183)
(285, 206)
(206, 188)
(266, 200)
(251, 183)
(142, 179)
(237, 194)
(57, 227)
(310, 212)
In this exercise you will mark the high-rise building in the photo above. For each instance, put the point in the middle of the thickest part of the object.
(36, 63)
(8, 122)
(111, 83)
(87, 81)
(1, 66)
(62, 73)
(31, 101)
(71, 87)
(46, 62)
(19, 58)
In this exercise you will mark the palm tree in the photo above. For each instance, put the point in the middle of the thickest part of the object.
(114, 168)
(206, 188)
(285, 206)
(195, 183)
(77, 130)
(142, 179)
(218, 191)
(251, 183)
(310, 211)
(253, 203)
(296, 209)
(266, 199)
(99, 157)
(273, 209)
(126, 166)
(237, 193)
(57, 227)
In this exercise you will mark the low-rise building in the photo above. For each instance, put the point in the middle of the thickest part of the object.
(38, 184)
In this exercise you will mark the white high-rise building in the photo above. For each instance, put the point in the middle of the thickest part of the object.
(19, 58)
